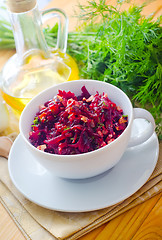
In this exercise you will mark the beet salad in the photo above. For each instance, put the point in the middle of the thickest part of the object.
(69, 124)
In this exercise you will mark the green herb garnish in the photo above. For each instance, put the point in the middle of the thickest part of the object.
(35, 122)
(67, 128)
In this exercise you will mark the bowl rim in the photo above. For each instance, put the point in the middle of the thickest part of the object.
(81, 154)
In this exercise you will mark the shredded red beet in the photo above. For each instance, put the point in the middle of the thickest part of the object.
(68, 124)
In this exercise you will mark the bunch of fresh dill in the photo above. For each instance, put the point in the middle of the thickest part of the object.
(123, 48)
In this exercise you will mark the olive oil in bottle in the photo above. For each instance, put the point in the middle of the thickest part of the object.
(34, 67)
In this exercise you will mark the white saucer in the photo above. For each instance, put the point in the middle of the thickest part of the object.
(111, 187)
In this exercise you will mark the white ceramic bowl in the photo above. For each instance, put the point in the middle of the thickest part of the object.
(87, 164)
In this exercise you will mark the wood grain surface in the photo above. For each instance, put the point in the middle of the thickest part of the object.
(141, 222)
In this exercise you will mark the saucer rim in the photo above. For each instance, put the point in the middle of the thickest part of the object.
(88, 209)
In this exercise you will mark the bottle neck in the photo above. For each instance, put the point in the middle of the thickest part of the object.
(28, 34)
